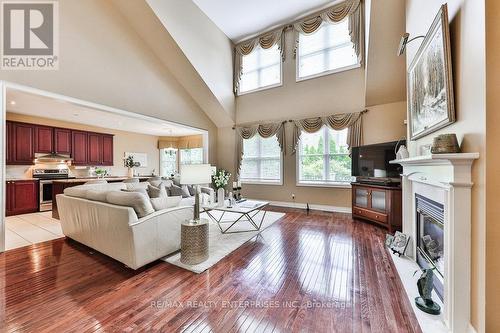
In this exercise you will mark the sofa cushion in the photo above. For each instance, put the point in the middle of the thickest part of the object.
(138, 201)
(96, 181)
(131, 186)
(76, 191)
(96, 195)
(137, 190)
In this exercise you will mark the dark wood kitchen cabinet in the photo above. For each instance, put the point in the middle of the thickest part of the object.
(79, 147)
(44, 139)
(21, 197)
(62, 141)
(107, 150)
(95, 149)
(8, 143)
(20, 143)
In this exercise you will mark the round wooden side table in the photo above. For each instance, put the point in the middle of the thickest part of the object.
(194, 242)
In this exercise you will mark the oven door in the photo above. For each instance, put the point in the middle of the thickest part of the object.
(45, 195)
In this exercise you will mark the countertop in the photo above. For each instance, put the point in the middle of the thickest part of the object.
(13, 179)
(86, 179)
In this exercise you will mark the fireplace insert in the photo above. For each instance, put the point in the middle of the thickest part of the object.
(430, 238)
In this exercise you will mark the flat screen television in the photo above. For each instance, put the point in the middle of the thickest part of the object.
(373, 160)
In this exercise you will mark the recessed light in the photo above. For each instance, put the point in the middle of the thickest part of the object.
(12, 102)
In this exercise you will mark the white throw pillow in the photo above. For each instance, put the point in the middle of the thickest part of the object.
(138, 201)
(165, 202)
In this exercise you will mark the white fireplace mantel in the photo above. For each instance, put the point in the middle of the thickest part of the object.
(445, 178)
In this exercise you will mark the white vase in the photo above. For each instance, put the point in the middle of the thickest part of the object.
(130, 173)
(220, 197)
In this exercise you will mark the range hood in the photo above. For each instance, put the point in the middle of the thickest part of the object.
(54, 157)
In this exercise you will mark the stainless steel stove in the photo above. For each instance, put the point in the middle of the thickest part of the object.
(46, 176)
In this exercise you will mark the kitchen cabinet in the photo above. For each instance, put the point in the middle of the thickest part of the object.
(79, 147)
(62, 141)
(21, 197)
(379, 204)
(107, 150)
(95, 148)
(20, 148)
(9, 143)
(44, 139)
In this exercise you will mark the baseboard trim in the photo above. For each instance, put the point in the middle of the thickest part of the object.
(325, 208)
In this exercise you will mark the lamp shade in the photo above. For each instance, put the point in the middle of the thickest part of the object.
(196, 174)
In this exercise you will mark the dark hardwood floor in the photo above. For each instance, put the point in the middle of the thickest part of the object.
(320, 272)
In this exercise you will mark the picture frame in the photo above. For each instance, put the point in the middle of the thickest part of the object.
(399, 243)
(430, 81)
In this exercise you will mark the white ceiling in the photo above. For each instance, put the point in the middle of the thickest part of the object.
(46, 107)
(242, 18)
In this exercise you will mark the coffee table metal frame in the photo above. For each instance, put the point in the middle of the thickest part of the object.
(249, 214)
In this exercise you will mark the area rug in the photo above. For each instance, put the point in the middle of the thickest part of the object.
(220, 245)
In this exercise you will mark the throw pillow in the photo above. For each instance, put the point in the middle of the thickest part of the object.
(175, 190)
(138, 201)
(155, 183)
(191, 189)
(138, 190)
(185, 191)
(164, 202)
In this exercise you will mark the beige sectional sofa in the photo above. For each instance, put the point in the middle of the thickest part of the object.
(131, 234)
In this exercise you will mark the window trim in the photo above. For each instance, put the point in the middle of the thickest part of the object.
(275, 85)
(319, 183)
(177, 157)
(320, 74)
(263, 182)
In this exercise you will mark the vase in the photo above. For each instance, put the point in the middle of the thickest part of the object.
(130, 173)
(220, 197)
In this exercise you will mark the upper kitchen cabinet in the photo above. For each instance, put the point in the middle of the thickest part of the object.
(20, 143)
(62, 141)
(79, 147)
(44, 139)
(95, 149)
(107, 149)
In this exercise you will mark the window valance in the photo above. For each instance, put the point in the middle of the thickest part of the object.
(266, 41)
(265, 131)
(351, 121)
(182, 142)
(350, 9)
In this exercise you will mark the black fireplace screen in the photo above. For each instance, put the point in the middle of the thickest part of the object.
(430, 238)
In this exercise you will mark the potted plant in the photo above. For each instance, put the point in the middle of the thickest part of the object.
(219, 181)
(130, 164)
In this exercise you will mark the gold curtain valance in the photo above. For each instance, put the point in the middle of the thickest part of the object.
(181, 142)
(266, 41)
(350, 9)
(265, 131)
(352, 121)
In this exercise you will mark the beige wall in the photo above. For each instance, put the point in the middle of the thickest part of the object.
(122, 142)
(492, 169)
(467, 26)
(103, 60)
(208, 49)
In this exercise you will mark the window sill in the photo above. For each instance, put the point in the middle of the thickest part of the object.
(333, 71)
(277, 85)
(256, 182)
(322, 184)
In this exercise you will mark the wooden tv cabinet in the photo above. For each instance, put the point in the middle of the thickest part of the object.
(379, 204)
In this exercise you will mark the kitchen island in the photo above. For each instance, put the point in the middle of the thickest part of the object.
(59, 185)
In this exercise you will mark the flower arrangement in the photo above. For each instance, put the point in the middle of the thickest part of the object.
(221, 178)
(130, 163)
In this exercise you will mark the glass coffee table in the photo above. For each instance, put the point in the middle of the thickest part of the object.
(246, 211)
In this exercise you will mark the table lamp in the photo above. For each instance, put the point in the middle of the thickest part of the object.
(196, 174)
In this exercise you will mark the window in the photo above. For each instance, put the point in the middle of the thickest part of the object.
(261, 161)
(327, 50)
(168, 161)
(261, 69)
(323, 158)
(191, 156)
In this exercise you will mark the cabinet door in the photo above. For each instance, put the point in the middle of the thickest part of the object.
(44, 139)
(361, 197)
(107, 150)
(8, 198)
(9, 143)
(62, 141)
(24, 196)
(378, 200)
(23, 135)
(95, 149)
(79, 147)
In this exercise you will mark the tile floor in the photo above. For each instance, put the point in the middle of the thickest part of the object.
(27, 229)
